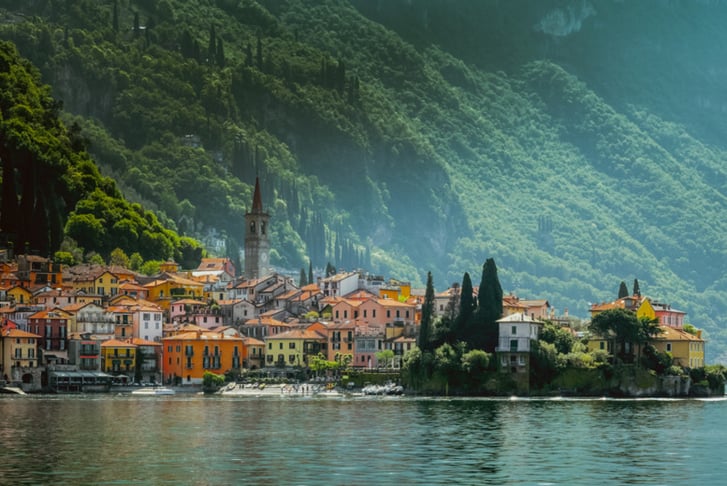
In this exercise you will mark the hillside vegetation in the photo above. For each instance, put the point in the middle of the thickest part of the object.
(406, 136)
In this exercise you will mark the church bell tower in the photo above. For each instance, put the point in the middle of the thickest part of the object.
(257, 245)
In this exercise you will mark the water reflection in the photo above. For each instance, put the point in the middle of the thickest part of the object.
(198, 440)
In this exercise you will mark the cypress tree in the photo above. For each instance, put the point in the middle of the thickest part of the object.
(424, 341)
(259, 53)
(303, 282)
(212, 46)
(637, 290)
(489, 308)
(115, 18)
(623, 291)
(310, 272)
(248, 55)
(467, 306)
(220, 54)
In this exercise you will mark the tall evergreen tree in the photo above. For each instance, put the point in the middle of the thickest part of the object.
(467, 306)
(424, 340)
(259, 53)
(115, 18)
(212, 45)
(310, 272)
(220, 54)
(637, 290)
(489, 308)
(623, 291)
(303, 281)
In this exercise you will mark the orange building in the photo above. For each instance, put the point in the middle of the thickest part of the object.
(188, 355)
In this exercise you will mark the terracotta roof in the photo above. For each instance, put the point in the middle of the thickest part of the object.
(115, 343)
(49, 314)
(673, 334)
(251, 341)
(18, 333)
(393, 303)
(202, 336)
(189, 301)
(73, 308)
(229, 301)
(143, 342)
(298, 334)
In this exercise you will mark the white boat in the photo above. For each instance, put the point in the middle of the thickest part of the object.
(157, 390)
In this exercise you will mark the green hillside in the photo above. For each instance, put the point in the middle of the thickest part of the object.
(576, 144)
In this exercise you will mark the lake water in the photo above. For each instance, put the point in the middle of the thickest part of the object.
(191, 439)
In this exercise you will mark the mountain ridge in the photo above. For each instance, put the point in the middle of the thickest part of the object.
(421, 156)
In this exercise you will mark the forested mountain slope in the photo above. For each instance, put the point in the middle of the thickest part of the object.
(578, 143)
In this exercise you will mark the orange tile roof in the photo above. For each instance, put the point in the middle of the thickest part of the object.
(115, 343)
(251, 341)
(202, 335)
(298, 334)
(673, 334)
(143, 342)
(18, 333)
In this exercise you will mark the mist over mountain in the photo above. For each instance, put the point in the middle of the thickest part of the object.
(578, 143)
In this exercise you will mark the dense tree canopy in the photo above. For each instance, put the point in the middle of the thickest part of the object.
(398, 141)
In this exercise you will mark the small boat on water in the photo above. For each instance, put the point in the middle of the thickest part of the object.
(151, 391)
(385, 389)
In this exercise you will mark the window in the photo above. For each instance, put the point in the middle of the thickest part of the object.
(373, 313)
(388, 313)
(521, 360)
(668, 347)
(291, 345)
(602, 345)
(291, 358)
(280, 346)
(513, 330)
(513, 345)
(365, 314)
(147, 316)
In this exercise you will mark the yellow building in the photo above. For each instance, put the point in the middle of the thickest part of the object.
(188, 355)
(19, 350)
(19, 295)
(164, 291)
(96, 280)
(118, 357)
(687, 350)
(293, 348)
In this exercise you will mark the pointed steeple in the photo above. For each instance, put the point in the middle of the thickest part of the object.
(257, 200)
